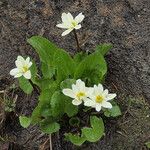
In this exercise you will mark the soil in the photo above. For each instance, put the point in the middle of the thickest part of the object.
(124, 23)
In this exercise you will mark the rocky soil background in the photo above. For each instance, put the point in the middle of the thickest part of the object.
(124, 23)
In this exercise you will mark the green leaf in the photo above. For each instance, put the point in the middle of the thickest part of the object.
(107, 113)
(45, 96)
(25, 85)
(45, 84)
(47, 71)
(113, 112)
(74, 121)
(43, 109)
(34, 72)
(96, 132)
(70, 109)
(24, 121)
(93, 68)
(44, 102)
(57, 104)
(46, 112)
(36, 115)
(64, 64)
(44, 48)
(49, 127)
(79, 57)
(53, 57)
(75, 139)
(103, 48)
(67, 83)
(147, 144)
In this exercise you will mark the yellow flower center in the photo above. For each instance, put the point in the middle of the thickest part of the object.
(80, 95)
(99, 99)
(74, 23)
(25, 69)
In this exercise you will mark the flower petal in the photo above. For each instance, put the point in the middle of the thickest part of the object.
(14, 71)
(66, 32)
(106, 104)
(89, 91)
(20, 58)
(105, 93)
(75, 88)
(110, 96)
(62, 25)
(68, 92)
(98, 107)
(30, 64)
(19, 64)
(76, 102)
(66, 18)
(27, 60)
(78, 26)
(80, 84)
(79, 18)
(27, 74)
(100, 87)
(18, 75)
(89, 102)
(70, 17)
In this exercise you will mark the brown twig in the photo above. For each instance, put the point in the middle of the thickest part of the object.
(43, 145)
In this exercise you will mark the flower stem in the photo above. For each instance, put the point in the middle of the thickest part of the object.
(34, 87)
(50, 142)
(77, 41)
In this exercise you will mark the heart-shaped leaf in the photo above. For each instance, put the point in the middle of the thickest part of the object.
(96, 132)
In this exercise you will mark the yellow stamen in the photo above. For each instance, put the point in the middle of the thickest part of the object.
(99, 99)
(80, 95)
(74, 23)
(25, 69)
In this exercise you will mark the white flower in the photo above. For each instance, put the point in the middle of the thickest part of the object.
(78, 92)
(99, 98)
(70, 23)
(22, 69)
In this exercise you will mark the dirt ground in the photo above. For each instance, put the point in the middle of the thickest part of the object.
(124, 23)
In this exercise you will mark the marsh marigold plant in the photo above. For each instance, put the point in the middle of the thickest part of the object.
(67, 86)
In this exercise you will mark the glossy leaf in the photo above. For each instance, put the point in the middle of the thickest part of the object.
(57, 104)
(96, 131)
(67, 83)
(147, 144)
(75, 139)
(104, 48)
(24, 121)
(36, 114)
(79, 57)
(44, 48)
(74, 121)
(25, 85)
(64, 65)
(70, 109)
(53, 58)
(113, 112)
(49, 127)
(93, 67)
(34, 72)
(47, 71)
